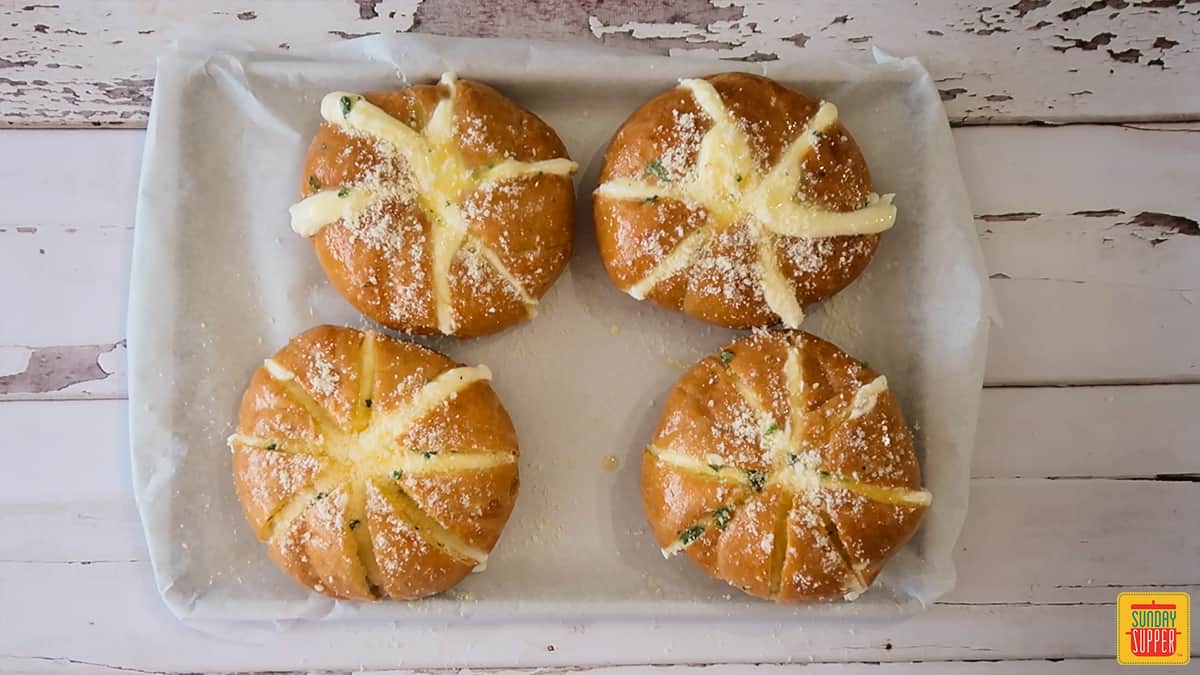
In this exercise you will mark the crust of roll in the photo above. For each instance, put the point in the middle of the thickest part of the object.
(325, 467)
(411, 565)
(819, 495)
(663, 137)
(384, 264)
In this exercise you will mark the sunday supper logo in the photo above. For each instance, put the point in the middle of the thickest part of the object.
(1153, 629)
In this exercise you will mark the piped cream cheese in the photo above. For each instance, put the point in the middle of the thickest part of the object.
(316, 211)
(511, 169)
(678, 259)
(277, 371)
(777, 290)
(442, 388)
(865, 397)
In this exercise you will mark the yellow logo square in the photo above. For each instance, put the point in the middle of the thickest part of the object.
(1153, 629)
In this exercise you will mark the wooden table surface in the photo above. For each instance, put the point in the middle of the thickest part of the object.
(1078, 131)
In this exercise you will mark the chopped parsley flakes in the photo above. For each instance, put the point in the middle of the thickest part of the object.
(656, 168)
(314, 183)
(344, 192)
(691, 534)
(354, 523)
(722, 516)
(725, 356)
(758, 479)
(772, 429)
(347, 103)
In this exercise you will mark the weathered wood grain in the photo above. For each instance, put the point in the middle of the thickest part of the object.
(91, 62)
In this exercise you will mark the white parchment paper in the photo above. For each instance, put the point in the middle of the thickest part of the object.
(220, 282)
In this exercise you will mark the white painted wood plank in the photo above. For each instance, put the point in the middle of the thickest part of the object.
(1022, 666)
(1084, 278)
(1088, 431)
(1072, 541)
(1091, 236)
(63, 278)
(70, 178)
(80, 621)
(92, 63)
(1059, 332)
(1065, 169)
(73, 533)
(73, 504)
(65, 242)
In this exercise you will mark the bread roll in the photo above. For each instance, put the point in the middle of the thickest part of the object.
(736, 200)
(783, 467)
(438, 208)
(372, 467)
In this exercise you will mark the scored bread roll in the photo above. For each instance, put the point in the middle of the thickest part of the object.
(736, 200)
(783, 467)
(440, 208)
(372, 467)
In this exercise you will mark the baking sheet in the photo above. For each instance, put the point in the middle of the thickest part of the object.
(220, 282)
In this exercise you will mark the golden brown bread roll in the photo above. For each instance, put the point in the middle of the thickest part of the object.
(736, 200)
(783, 467)
(373, 467)
(438, 208)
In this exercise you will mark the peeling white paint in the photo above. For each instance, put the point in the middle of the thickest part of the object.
(85, 64)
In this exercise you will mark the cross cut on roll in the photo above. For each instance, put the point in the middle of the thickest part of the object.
(785, 468)
(736, 200)
(437, 209)
(373, 467)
